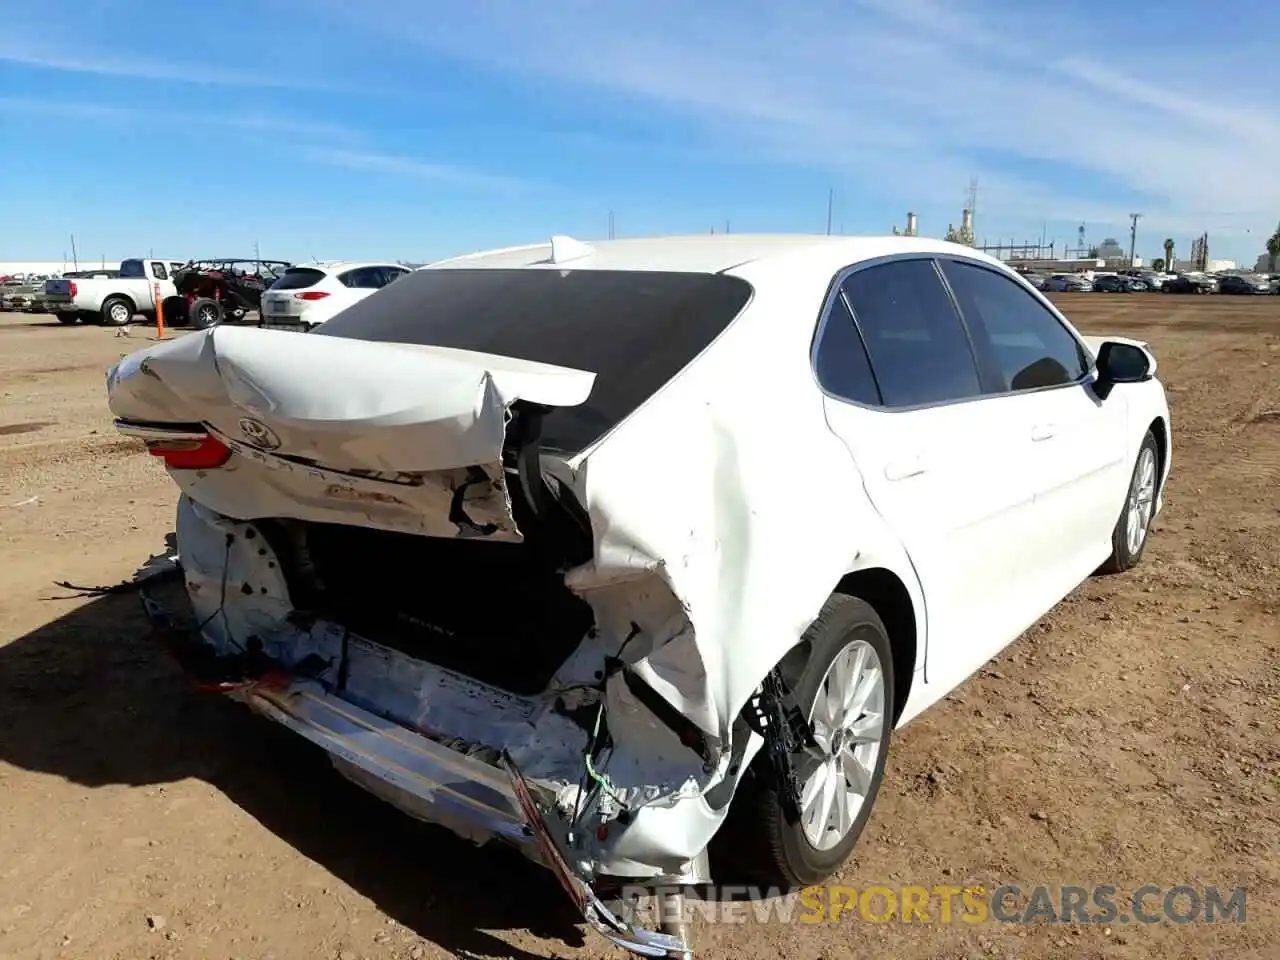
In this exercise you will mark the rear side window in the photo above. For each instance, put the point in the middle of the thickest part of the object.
(634, 329)
(1030, 345)
(362, 278)
(132, 270)
(918, 346)
(298, 278)
(842, 365)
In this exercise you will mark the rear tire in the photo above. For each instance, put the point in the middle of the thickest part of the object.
(849, 656)
(1132, 530)
(205, 313)
(116, 311)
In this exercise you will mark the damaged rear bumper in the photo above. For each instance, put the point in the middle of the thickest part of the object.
(471, 797)
(469, 794)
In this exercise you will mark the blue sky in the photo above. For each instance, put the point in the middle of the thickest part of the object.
(413, 129)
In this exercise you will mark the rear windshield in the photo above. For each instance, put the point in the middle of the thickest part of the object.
(634, 329)
(297, 278)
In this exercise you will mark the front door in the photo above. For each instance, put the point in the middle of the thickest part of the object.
(944, 463)
(1077, 442)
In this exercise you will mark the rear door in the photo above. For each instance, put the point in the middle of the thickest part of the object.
(944, 463)
(1077, 451)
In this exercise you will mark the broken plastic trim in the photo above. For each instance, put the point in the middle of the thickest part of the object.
(600, 918)
(774, 714)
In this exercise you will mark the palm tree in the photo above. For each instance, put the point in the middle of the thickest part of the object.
(1273, 250)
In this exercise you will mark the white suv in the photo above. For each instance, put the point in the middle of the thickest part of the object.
(309, 294)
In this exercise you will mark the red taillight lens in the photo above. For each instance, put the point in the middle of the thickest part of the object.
(74, 288)
(207, 453)
(310, 295)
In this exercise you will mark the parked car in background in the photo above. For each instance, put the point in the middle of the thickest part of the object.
(514, 538)
(112, 300)
(1114, 283)
(309, 294)
(39, 302)
(9, 293)
(1243, 285)
(1190, 283)
(15, 295)
(1068, 283)
(1154, 279)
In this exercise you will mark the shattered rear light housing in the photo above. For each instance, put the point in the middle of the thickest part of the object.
(206, 453)
(182, 446)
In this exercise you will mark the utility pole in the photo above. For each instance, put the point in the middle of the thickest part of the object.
(74, 259)
(726, 225)
(831, 201)
(1133, 236)
(611, 230)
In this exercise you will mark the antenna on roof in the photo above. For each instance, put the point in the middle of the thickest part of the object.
(566, 248)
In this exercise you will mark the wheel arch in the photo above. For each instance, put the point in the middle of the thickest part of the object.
(891, 600)
(1159, 428)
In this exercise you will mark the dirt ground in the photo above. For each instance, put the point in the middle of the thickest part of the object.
(1131, 737)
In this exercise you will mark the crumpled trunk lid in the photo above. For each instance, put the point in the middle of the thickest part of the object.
(395, 436)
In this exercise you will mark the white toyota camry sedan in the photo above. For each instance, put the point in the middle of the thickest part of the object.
(605, 549)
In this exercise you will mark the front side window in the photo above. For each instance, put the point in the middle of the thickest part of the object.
(918, 346)
(158, 269)
(1030, 345)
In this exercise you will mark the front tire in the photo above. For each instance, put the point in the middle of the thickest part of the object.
(205, 313)
(846, 688)
(1131, 532)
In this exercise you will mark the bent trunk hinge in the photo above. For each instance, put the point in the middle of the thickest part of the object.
(561, 527)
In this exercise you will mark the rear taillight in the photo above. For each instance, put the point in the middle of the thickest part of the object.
(310, 295)
(207, 453)
(183, 446)
(74, 288)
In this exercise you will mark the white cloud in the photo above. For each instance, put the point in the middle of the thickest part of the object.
(912, 97)
(244, 121)
(411, 167)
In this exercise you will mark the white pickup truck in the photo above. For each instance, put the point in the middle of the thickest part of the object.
(112, 301)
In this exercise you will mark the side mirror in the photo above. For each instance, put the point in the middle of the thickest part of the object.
(1121, 363)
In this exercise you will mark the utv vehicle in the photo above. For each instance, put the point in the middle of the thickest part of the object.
(211, 291)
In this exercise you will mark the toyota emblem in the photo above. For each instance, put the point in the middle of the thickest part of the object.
(259, 434)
